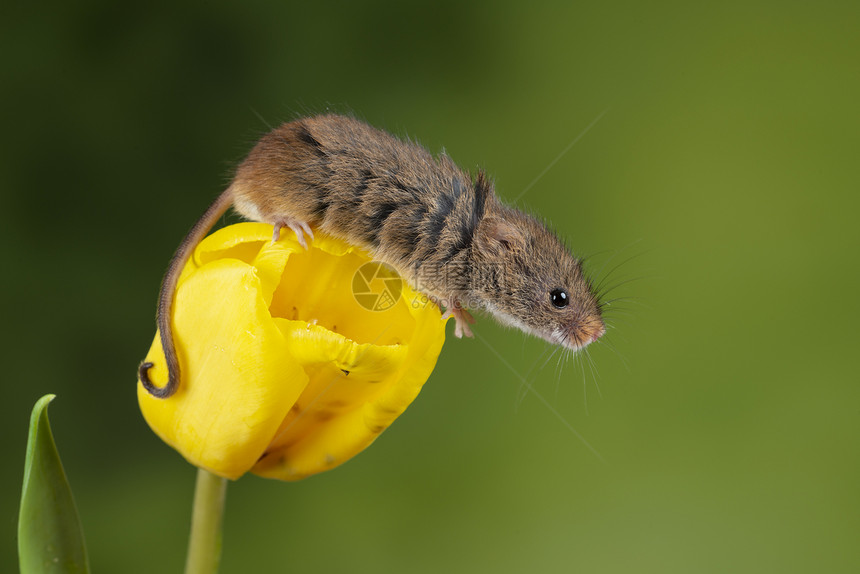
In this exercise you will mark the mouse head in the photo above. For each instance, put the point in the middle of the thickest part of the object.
(526, 277)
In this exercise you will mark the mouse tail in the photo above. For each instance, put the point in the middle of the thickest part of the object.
(167, 296)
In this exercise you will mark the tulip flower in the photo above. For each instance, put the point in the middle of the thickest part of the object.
(293, 360)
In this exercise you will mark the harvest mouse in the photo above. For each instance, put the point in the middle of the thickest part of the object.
(443, 230)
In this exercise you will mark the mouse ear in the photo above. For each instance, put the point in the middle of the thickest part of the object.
(498, 235)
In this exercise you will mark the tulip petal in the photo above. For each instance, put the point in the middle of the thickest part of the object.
(344, 375)
(238, 380)
(251, 243)
(340, 413)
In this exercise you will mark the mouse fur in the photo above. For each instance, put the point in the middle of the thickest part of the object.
(445, 231)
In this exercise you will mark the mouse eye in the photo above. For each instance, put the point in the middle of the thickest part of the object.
(559, 298)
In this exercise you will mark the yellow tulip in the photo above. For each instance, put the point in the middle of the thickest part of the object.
(288, 369)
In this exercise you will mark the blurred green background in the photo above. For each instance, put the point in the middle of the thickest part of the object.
(726, 166)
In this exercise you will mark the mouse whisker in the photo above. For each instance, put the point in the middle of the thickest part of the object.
(611, 346)
(525, 383)
(621, 310)
(599, 272)
(616, 251)
(595, 374)
(600, 289)
(555, 349)
(578, 359)
(622, 314)
(615, 286)
(630, 299)
(558, 366)
(546, 349)
(523, 390)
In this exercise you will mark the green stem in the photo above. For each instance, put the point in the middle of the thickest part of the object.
(204, 545)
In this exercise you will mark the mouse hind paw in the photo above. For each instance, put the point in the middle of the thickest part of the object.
(300, 228)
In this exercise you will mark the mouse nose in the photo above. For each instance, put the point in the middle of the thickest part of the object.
(587, 332)
(597, 332)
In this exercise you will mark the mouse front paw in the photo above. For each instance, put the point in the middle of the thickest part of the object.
(462, 319)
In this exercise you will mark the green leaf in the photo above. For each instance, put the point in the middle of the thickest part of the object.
(50, 538)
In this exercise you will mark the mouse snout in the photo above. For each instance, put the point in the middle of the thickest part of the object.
(591, 329)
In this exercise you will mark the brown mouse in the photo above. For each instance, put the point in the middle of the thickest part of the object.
(444, 231)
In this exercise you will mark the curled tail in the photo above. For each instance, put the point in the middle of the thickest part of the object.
(168, 295)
